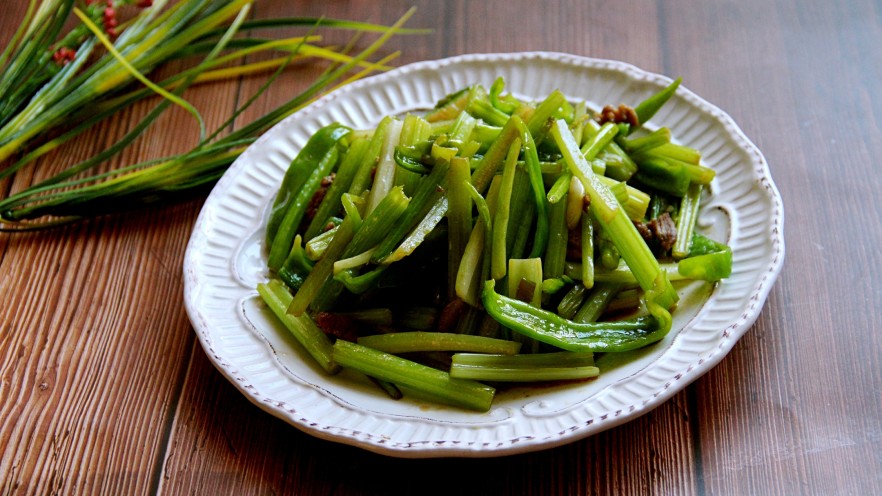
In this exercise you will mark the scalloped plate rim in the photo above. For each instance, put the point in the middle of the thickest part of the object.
(443, 448)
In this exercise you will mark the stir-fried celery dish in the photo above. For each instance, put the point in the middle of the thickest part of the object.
(489, 240)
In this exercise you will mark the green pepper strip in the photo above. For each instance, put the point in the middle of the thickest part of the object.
(647, 108)
(296, 209)
(322, 142)
(552, 329)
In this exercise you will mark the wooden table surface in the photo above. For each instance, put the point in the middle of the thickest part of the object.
(104, 388)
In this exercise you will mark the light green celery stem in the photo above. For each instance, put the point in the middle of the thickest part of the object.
(521, 226)
(688, 215)
(637, 201)
(496, 154)
(362, 180)
(560, 187)
(596, 303)
(420, 232)
(459, 218)
(623, 275)
(680, 152)
(416, 341)
(484, 110)
(281, 244)
(428, 193)
(384, 176)
(529, 270)
(624, 167)
(315, 248)
(556, 249)
(417, 318)
(587, 239)
(655, 139)
(427, 381)
(342, 180)
(572, 301)
(323, 269)
(470, 275)
(614, 222)
(371, 316)
(534, 367)
(414, 130)
(599, 141)
(534, 172)
(376, 224)
(628, 299)
(352, 206)
(576, 203)
(500, 220)
(544, 111)
(313, 340)
(485, 135)
(372, 230)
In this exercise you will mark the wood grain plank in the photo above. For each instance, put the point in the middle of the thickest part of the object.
(775, 419)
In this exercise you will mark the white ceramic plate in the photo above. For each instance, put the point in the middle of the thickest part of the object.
(225, 260)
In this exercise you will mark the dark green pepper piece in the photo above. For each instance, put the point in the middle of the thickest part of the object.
(565, 334)
(320, 144)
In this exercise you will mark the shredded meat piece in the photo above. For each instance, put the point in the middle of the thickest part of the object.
(319, 195)
(525, 290)
(338, 326)
(574, 244)
(664, 230)
(622, 114)
(450, 315)
(644, 230)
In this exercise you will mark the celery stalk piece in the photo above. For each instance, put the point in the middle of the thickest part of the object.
(419, 233)
(415, 341)
(322, 270)
(543, 112)
(556, 248)
(576, 203)
(428, 194)
(426, 380)
(313, 340)
(459, 218)
(534, 172)
(637, 202)
(534, 367)
(470, 275)
(345, 174)
(572, 301)
(688, 215)
(362, 180)
(316, 247)
(500, 221)
(618, 164)
(586, 234)
(614, 221)
(596, 302)
(655, 139)
(496, 154)
(529, 270)
(560, 187)
(384, 176)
